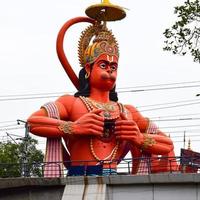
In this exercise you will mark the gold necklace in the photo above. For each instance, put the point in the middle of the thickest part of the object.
(109, 158)
(113, 153)
(107, 108)
(110, 107)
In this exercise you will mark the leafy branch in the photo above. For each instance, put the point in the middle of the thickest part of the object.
(183, 37)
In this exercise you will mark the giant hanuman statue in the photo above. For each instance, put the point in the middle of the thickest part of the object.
(97, 129)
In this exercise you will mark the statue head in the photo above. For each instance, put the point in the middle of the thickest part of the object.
(95, 41)
(98, 46)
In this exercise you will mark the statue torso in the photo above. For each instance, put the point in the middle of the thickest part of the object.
(95, 148)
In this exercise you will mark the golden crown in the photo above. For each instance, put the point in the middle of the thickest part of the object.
(96, 40)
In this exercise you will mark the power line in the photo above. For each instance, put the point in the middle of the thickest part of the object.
(33, 94)
(161, 128)
(10, 125)
(161, 88)
(154, 118)
(4, 122)
(158, 85)
(168, 103)
(119, 90)
(181, 126)
(182, 141)
(178, 119)
(27, 98)
(11, 137)
(165, 107)
(190, 136)
(6, 129)
(179, 115)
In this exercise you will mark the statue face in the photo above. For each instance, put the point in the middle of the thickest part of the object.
(104, 72)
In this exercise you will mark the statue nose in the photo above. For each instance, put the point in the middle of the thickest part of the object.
(109, 69)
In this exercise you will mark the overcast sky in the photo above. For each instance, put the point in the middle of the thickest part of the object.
(29, 63)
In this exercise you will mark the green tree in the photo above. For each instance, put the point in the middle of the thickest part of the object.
(9, 160)
(183, 36)
(22, 159)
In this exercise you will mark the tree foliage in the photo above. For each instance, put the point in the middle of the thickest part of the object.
(183, 36)
(21, 159)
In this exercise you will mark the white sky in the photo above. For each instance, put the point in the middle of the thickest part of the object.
(29, 63)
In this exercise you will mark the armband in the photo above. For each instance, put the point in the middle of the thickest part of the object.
(148, 142)
(66, 127)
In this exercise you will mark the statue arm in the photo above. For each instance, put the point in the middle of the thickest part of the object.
(156, 144)
(139, 133)
(42, 124)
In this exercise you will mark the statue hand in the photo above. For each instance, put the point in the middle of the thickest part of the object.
(89, 124)
(126, 129)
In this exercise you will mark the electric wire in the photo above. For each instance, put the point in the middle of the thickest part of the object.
(178, 119)
(184, 131)
(28, 98)
(155, 89)
(161, 128)
(157, 120)
(168, 107)
(177, 115)
(181, 126)
(169, 103)
(119, 90)
(188, 103)
(164, 84)
(9, 125)
(7, 129)
(5, 122)
(154, 118)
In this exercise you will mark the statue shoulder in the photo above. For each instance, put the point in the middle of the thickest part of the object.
(66, 99)
(141, 121)
(133, 110)
(65, 103)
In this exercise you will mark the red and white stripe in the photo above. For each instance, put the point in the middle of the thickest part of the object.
(52, 110)
(54, 149)
(145, 161)
(53, 158)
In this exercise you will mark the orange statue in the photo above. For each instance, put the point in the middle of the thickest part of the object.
(93, 124)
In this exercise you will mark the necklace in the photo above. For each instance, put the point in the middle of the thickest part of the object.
(107, 159)
(107, 107)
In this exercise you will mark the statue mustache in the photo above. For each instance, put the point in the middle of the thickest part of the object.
(108, 76)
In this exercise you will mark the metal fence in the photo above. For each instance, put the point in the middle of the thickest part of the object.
(142, 165)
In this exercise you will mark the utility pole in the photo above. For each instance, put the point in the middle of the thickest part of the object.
(25, 169)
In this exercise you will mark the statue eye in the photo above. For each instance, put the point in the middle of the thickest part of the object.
(113, 67)
(103, 65)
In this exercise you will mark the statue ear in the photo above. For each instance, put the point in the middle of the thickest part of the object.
(87, 68)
